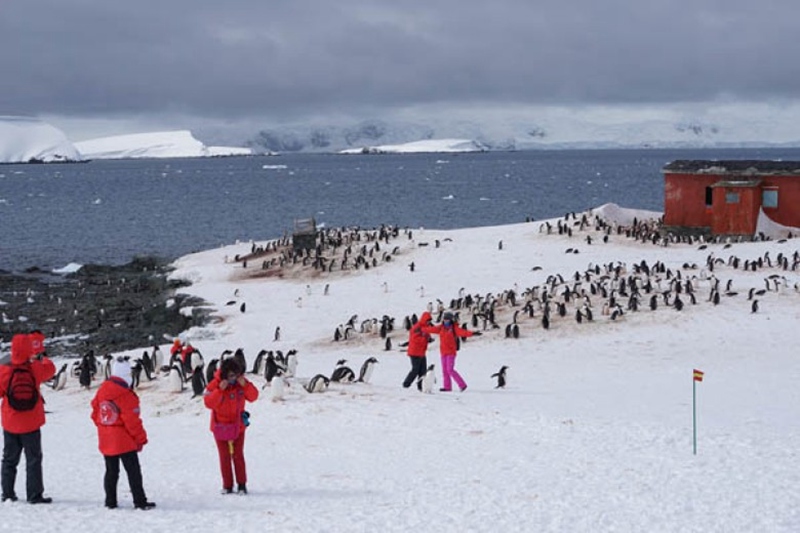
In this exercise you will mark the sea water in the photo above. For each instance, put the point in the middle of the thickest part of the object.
(110, 211)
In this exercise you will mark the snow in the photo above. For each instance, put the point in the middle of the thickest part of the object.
(23, 139)
(593, 432)
(425, 146)
(70, 268)
(769, 228)
(155, 144)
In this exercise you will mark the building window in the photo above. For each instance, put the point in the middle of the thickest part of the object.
(731, 197)
(709, 196)
(769, 198)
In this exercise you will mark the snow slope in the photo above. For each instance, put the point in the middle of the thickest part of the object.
(426, 146)
(25, 138)
(592, 433)
(157, 144)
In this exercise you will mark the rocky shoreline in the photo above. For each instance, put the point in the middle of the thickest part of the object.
(100, 307)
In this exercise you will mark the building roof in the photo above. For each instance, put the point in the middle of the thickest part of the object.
(742, 167)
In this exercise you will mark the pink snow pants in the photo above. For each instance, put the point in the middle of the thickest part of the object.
(449, 372)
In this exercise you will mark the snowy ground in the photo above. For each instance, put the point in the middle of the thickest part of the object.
(593, 432)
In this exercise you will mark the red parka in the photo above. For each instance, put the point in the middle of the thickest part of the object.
(115, 412)
(42, 369)
(227, 405)
(447, 336)
(417, 338)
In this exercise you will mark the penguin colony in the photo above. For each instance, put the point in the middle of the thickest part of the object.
(610, 292)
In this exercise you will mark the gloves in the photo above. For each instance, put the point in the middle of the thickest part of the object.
(477, 333)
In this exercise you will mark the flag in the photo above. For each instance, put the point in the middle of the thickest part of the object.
(698, 375)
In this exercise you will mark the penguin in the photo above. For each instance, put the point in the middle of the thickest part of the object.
(515, 331)
(501, 377)
(157, 358)
(196, 361)
(106, 366)
(387, 346)
(342, 373)
(754, 306)
(147, 366)
(136, 373)
(278, 386)
(198, 382)
(211, 369)
(428, 380)
(366, 370)
(175, 378)
(239, 356)
(85, 377)
(318, 384)
(242, 307)
(270, 367)
(60, 378)
(257, 364)
(291, 363)
(277, 336)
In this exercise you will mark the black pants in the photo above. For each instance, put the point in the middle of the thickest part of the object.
(13, 445)
(130, 461)
(419, 365)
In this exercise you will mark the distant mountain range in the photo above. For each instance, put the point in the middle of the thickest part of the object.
(564, 132)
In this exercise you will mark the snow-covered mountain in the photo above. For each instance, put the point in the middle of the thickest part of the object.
(551, 128)
(157, 144)
(28, 139)
(427, 146)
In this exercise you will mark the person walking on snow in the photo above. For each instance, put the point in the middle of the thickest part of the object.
(120, 434)
(226, 395)
(19, 384)
(417, 350)
(449, 332)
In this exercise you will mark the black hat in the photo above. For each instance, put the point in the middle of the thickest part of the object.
(447, 316)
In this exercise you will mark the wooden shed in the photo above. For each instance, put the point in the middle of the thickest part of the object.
(304, 235)
(726, 197)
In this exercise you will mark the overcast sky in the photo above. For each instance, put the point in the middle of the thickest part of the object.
(291, 59)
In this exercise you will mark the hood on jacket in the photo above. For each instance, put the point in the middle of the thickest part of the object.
(425, 318)
(21, 349)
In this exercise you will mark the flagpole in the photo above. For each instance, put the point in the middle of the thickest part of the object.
(694, 416)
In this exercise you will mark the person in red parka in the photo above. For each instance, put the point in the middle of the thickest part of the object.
(226, 395)
(21, 428)
(120, 434)
(417, 351)
(448, 332)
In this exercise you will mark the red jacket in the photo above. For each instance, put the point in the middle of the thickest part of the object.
(115, 412)
(227, 405)
(417, 338)
(447, 336)
(24, 421)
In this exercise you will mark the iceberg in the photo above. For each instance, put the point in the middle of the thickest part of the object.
(32, 140)
(418, 147)
(163, 144)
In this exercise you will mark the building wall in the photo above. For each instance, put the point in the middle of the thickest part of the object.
(685, 200)
(737, 218)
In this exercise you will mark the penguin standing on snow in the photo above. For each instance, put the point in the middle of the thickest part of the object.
(175, 378)
(501, 377)
(60, 380)
(428, 380)
(366, 370)
(211, 369)
(278, 386)
(291, 363)
(198, 382)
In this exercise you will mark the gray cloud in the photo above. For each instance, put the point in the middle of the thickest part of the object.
(289, 59)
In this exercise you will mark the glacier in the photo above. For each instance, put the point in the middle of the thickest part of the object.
(164, 144)
(426, 146)
(32, 140)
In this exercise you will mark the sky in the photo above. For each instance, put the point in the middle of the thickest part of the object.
(249, 61)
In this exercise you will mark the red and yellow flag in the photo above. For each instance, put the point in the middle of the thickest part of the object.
(698, 375)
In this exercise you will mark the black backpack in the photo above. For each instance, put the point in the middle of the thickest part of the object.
(22, 393)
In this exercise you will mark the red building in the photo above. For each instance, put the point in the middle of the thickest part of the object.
(725, 197)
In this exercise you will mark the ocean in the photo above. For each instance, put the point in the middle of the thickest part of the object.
(110, 211)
